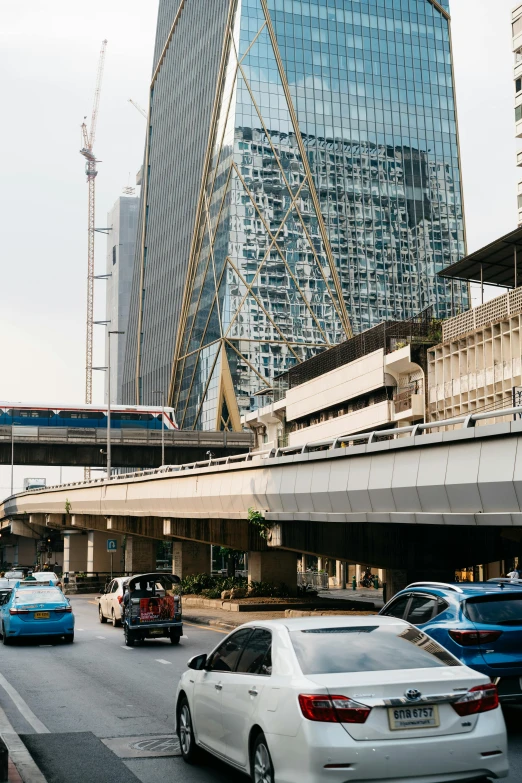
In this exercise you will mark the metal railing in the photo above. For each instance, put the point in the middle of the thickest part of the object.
(313, 579)
(344, 441)
(98, 435)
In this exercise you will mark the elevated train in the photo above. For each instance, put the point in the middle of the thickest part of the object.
(86, 416)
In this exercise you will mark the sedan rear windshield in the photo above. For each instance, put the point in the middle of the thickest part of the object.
(48, 595)
(367, 648)
(503, 609)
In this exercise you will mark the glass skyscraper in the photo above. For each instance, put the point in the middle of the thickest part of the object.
(330, 194)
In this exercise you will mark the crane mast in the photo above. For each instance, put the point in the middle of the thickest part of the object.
(89, 136)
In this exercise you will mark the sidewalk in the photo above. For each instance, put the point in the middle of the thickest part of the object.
(361, 594)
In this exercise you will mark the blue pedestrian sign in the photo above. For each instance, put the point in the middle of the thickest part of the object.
(112, 545)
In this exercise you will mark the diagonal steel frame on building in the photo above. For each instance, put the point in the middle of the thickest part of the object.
(229, 74)
(322, 227)
(273, 244)
(193, 257)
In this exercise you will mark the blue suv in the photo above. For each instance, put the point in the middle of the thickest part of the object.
(480, 623)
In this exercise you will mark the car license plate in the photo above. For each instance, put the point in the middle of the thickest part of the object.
(401, 718)
(41, 615)
(156, 632)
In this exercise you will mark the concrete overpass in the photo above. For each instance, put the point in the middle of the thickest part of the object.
(418, 500)
(131, 448)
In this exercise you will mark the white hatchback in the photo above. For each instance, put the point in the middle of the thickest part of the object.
(338, 699)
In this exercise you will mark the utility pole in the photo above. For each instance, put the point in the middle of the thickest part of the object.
(12, 458)
(162, 425)
(109, 454)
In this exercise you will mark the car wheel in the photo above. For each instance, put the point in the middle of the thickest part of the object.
(102, 617)
(69, 638)
(129, 637)
(174, 639)
(189, 749)
(115, 622)
(5, 639)
(261, 764)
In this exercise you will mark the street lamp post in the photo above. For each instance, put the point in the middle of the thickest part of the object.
(12, 457)
(109, 455)
(162, 425)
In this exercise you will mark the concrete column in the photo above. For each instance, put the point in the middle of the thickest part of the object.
(358, 574)
(275, 567)
(189, 558)
(140, 555)
(26, 551)
(74, 552)
(492, 570)
(98, 558)
(319, 563)
(302, 564)
(397, 580)
(342, 571)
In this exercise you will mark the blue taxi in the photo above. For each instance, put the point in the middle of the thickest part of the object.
(36, 609)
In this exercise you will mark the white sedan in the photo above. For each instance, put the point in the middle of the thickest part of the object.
(110, 602)
(337, 699)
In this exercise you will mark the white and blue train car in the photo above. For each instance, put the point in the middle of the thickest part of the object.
(86, 416)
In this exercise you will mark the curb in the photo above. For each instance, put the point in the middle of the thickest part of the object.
(21, 759)
(197, 620)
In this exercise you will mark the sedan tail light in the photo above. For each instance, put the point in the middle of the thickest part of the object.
(482, 698)
(333, 709)
(472, 638)
(18, 611)
(63, 609)
(120, 599)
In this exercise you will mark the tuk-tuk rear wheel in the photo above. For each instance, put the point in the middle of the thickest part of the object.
(174, 639)
(129, 637)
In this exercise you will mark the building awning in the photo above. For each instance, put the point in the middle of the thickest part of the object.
(499, 263)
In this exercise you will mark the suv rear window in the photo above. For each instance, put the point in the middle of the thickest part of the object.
(367, 648)
(504, 609)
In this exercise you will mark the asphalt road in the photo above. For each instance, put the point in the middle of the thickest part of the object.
(68, 698)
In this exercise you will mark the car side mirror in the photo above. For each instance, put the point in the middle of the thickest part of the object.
(198, 662)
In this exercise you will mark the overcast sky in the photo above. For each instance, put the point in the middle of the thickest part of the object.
(48, 59)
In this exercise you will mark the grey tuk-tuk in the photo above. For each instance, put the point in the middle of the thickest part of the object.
(151, 609)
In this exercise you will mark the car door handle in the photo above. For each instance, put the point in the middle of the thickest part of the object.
(253, 692)
(218, 687)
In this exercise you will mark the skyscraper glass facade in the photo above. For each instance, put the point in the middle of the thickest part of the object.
(330, 197)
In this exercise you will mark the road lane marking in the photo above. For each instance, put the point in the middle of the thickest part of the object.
(162, 660)
(80, 629)
(124, 647)
(207, 628)
(95, 603)
(101, 637)
(23, 707)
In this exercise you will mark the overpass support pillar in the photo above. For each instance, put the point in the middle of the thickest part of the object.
(276, 567)
(74, 552)
(98, 558)
(398, 579)
(140, 555)
(190, 557)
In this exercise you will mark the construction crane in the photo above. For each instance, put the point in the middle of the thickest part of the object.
(138, 107)
(89, 136)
